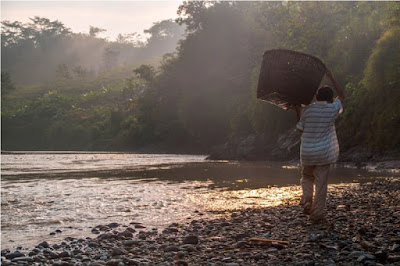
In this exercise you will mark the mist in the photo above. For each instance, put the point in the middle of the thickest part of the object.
(192, 84)
(32, 52)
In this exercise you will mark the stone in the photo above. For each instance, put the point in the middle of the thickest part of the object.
(241, 244)
(356, 254)
(113, 225)
(50, 254)
(188, 248)
(395, 248)
(192, 239)
(64, 254)
(171, 249)
(139, 226)
(118, 251)
(272, 250)
(16, 254)
(22, 259)
(126, 233)
(44, 244)
(381, 256)
(393, 259)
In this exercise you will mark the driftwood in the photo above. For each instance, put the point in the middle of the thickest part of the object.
(266, 240)
(289, 77)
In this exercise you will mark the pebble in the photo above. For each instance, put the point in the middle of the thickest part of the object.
(191, 240)
(350, 237)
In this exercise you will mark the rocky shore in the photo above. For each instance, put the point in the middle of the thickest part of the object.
(362, 228)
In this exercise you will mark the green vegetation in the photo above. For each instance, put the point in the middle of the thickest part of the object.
(203, 93)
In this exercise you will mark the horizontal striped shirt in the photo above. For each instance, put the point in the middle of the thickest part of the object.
(319, 144)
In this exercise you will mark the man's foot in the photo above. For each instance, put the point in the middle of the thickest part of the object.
(307, 208)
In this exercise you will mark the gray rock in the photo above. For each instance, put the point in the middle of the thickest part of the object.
(393, 259)
(171, 249)
(241, 244)
(139, 226)
(113, 262)
(272, 250)
(118, 251)
(13, 255)
(181, 263)
(356, 254)
(277, 245)
(188, 248)
(126, 233)
(113, 225)
(64, 254)
(61, 263)
(50, 254)
(44, 244)
(22, 259)
(194, 240)
(395, 248)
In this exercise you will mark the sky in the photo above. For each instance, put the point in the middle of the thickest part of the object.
(115, 16)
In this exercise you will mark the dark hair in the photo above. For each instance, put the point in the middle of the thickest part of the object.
(325, 93)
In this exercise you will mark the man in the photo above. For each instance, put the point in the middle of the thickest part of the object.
(319, 147)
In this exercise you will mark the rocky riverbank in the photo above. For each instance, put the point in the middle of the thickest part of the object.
(362, 228)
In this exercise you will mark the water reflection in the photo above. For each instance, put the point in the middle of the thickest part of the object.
(153, 189)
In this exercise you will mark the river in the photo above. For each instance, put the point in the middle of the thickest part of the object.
(51, 196)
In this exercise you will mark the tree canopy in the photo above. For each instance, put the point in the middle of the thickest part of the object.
(203, 92)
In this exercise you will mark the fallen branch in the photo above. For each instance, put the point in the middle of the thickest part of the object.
(266, 240)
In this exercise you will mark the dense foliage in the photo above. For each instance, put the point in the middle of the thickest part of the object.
(204, 93)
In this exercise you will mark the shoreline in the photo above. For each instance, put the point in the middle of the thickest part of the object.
(363, 227)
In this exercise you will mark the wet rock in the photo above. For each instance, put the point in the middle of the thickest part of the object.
(192, 239)
(241, 244)
(171, 249)
(277, 245)
(188, 248)
(393, 259)
(126, 234)
(13, 255)
(395, 248)
(272, 250)
(44, 244)
(118, 251)
(113, 262)
(381, 256)
(50, 254)
(64, 254)
(113, 225)
(22, 259)
(181, 263)
(95, 231)
(356, 254)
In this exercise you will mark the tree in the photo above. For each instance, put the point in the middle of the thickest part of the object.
(94, 31)
(164, 36)
(6, 83)
(63, 72)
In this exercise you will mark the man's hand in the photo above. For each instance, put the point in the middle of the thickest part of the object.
(338, 89)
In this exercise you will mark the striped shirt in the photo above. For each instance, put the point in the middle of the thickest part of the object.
(319, 144)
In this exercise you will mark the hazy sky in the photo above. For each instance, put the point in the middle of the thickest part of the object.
(114, 16)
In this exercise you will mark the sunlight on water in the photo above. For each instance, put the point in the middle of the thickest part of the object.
(231, 200)
(42, 193)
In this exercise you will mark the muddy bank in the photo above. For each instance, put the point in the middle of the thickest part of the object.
(362, 228)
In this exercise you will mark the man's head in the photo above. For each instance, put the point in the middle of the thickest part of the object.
(325, 93)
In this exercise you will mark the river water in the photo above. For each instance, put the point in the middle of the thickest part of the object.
(74, 192)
